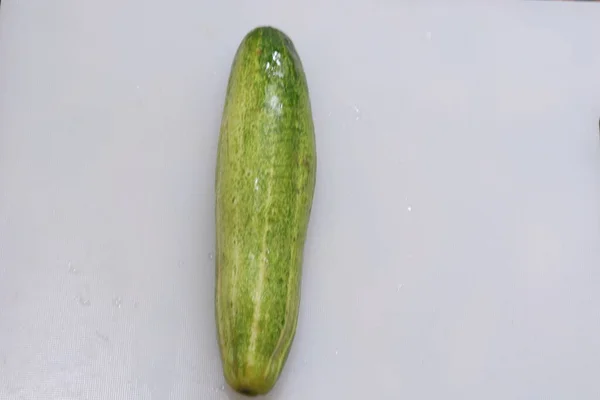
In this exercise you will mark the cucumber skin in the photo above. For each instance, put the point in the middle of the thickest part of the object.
(265, 182)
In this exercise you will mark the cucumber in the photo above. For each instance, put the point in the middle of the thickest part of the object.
(265, 182)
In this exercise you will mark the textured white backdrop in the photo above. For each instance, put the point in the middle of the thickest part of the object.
(454, 245)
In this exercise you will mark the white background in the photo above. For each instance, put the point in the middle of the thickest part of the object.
(454, 246)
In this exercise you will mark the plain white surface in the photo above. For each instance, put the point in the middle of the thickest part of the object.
(454, 245)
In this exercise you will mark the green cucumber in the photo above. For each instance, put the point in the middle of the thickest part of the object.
(265, 181)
